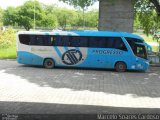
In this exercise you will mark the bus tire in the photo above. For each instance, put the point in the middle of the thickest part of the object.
(120, 67)
(48, 63)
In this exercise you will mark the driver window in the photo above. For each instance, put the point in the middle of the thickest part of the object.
(140, 52)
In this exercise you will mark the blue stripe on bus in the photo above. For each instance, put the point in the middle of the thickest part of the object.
(56, 33)
(77, 48)
(66, 48)
(47, 33)
(58, 51)
(29, 58)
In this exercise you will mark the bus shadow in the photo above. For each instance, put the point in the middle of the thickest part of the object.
(138, 84)
(73, 68)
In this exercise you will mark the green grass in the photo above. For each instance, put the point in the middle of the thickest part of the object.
(8, 53)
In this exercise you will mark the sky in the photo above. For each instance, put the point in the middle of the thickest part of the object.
(5, 3)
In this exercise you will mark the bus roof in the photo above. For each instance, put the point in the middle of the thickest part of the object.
(85, 33)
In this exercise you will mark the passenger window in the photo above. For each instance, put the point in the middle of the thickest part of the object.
(24, 39)
(65, 40)
(32, 40)
(110, 43)
(102, 42)
(116, 42)
(52, 40)
(58, 41)
(39, 40)
(83, 41)
(119, 44)
(93, 42)
(47, 40)
(74, 41)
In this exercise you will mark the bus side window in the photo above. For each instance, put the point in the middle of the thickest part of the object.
(39, 40)
(93, 42)
(65, 40)
(24, 39)
(47, 40)
(52, 40)
(110, 42)
(32, 39)
(74, 41)
(83, 41)
(122, 46)
(58, 41)
(118, 44)
(102, 42)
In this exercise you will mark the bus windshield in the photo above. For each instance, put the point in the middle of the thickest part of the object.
(138, 47)
(140, 51)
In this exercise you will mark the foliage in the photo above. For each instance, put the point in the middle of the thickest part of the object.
(83, 5)
(7, 38)
(10, 16)
(49, 17)
(66, 17)
(150, 22)
(26, 14)
(1, 16)
(142, 5)
(80, 3)
(146, 17)
(92, 18)
(49, 20)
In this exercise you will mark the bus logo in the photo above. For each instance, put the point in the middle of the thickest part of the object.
(72, 57)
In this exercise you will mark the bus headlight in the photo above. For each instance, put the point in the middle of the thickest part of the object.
(139, 66)
(147, 62)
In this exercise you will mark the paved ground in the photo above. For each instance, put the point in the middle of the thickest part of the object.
(28, 89)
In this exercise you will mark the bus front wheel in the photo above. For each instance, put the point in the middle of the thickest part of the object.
(120, 67)
(48, 63)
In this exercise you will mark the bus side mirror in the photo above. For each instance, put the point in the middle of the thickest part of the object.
(149, 48)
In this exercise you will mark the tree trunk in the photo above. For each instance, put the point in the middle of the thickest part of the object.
(116, 15)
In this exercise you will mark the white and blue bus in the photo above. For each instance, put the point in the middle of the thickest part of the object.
(88, 49)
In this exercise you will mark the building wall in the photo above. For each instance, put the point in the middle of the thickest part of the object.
(116, 15)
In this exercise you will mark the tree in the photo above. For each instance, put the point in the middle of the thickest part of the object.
(49, 18)
(82, 4)
(157, 5)
(10, 16)
(26, 14)
(1, 17)
(92, 19)
(141, 6)
(146, 16)
(65, 17)
(141, 3)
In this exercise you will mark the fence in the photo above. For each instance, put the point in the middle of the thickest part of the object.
(154, 58)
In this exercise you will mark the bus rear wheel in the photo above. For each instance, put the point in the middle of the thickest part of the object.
(120, 67)
(48, 63)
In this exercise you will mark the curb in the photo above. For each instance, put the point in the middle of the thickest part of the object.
(9, 59)
(155, 65)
